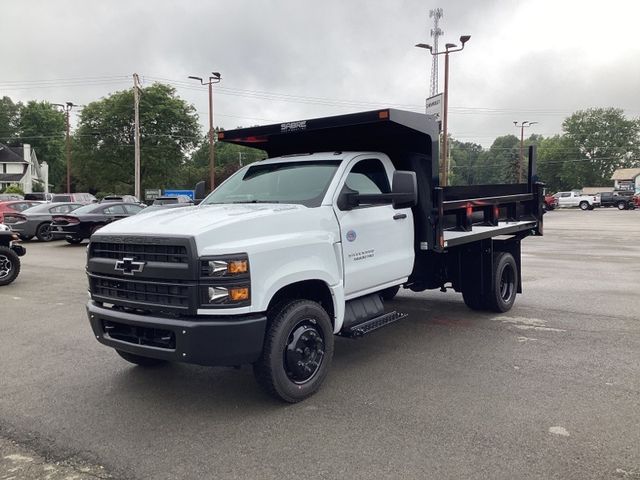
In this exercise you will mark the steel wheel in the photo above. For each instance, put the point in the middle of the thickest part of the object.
(304, 352)
(507, 282)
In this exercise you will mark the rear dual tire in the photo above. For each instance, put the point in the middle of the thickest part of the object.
(502, 295)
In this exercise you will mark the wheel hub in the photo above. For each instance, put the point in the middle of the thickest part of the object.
(5, 266)
(506, 283)
(304, 352)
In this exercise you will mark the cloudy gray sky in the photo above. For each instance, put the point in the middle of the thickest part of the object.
(281, 60)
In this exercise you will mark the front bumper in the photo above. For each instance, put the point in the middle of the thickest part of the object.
(203, 340)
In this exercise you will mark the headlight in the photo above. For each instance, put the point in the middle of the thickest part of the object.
(225, 266)
(225, 281)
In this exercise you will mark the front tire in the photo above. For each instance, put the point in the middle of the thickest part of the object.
(9, 265)
(622, 206)
(297, 351)
(584, 206)
(44, 232)
(505, 283)
(139, 360)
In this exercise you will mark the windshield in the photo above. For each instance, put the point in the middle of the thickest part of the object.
(303, 183)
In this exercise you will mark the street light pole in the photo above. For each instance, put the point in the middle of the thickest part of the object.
(449, 48)
(66, 108)
(522, 126)
(214, 78)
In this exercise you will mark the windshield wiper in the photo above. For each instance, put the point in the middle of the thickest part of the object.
(256, 201)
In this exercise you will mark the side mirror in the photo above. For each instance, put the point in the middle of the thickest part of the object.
(404, 189)
(348, 199)
(199, 192)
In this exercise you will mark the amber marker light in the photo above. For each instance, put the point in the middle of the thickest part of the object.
(236, 267)
(239, 294)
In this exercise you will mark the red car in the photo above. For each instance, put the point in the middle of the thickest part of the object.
(550, 202)
(636, 200)
(14, 206)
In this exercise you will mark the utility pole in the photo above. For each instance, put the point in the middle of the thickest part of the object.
(522, 126)
(436, 32)
(214, 78)
(449, 48)
(136, 103)
(66, 108)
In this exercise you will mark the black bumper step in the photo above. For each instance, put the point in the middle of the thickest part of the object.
(374, 324)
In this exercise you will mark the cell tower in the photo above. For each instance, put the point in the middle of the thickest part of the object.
(436, 32)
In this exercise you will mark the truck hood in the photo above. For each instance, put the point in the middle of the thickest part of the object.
(229, 225)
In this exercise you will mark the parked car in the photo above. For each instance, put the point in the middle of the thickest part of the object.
(15, 206)
(10, 253)
(36, 221)
(636, 200)
(84, 198)
(620, 199)
(84, 221)
(169, 200)
(5, 197)
(42, 196)
(576, 199)
(121, 198)
(550, 203)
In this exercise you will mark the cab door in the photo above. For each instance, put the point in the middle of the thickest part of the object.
(377, 241)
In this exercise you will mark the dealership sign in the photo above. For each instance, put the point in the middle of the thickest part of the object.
(435, 106)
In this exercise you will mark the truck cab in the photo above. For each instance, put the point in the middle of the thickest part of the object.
(304, 245)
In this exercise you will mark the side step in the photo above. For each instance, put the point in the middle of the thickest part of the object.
(369, 326)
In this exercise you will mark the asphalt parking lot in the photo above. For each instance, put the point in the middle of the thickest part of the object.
(549, 390)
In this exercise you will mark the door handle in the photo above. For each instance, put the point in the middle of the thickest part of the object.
(399, 216)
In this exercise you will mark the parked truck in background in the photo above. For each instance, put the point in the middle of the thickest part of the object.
(302, 246)
(577, 199)
(622, 200)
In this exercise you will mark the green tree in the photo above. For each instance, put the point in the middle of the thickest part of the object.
(606, 140)
(558, 164)
(9, 118)
(43, 126)
(465, 157)
(104, 141)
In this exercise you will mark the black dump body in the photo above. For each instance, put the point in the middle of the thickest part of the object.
(445, 217)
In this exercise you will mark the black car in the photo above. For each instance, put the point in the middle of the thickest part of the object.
(81, 223)
(10, 253)
(622, 200)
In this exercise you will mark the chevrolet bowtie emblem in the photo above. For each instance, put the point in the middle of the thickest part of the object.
(128, 266)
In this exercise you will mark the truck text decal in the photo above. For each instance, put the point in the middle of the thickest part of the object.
(293, 126)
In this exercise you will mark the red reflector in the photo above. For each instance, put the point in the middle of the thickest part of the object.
(469, 210)
(383, 114)
(220, 135)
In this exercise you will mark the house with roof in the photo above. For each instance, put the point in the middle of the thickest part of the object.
(19, 166)
(627, 179)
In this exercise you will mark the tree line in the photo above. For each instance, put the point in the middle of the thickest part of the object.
(594, 143)
(175, 152)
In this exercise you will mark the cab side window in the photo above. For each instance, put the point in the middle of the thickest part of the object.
(368, 177)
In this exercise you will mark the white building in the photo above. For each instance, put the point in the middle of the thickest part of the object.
(20, 166)
(627, 179)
